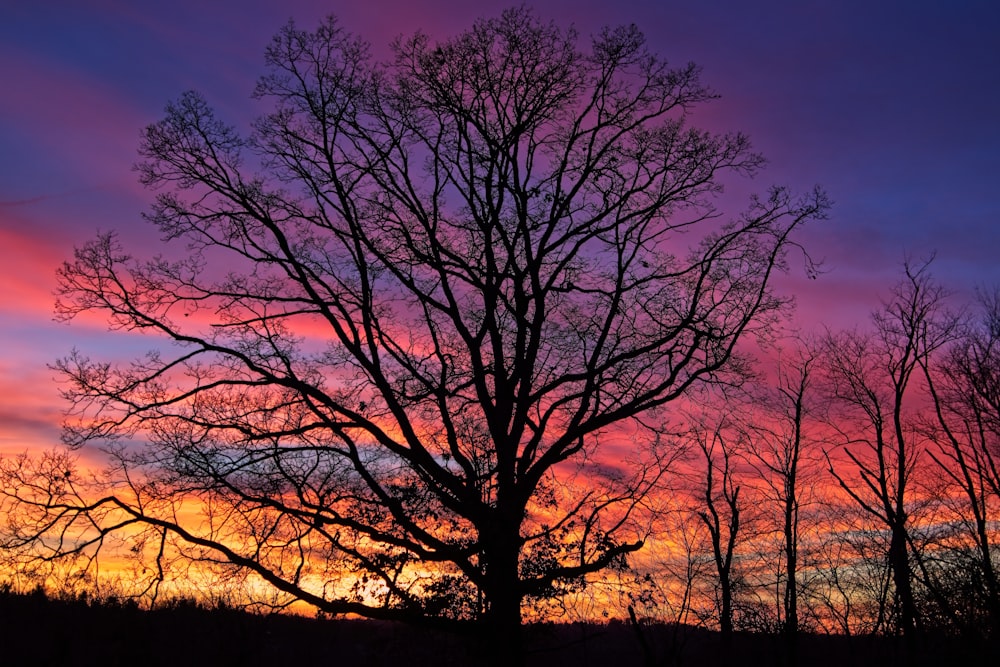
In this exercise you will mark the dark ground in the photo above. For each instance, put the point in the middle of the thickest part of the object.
(40, 631)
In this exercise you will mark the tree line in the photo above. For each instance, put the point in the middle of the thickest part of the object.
(852, 488)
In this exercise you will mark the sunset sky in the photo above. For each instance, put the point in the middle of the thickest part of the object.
(893, 107)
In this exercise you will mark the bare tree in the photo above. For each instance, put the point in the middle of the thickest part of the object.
(719, 506)
(965, 386)
(778, 434)
(417, 298)
(874, 379)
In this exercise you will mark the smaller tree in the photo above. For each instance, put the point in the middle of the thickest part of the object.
(873, 381)
(964, 383)
(777, 439)
(717, 502)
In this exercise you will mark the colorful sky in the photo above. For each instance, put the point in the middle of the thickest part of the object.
(894, 107)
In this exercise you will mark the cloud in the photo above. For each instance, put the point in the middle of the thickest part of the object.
(30, 407)
(23, 202)
(27, 274)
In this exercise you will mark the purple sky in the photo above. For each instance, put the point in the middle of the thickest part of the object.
(894, 107)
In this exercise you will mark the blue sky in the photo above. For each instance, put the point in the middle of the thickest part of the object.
(892, 107)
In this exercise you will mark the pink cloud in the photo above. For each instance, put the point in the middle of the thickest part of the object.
(27, 274)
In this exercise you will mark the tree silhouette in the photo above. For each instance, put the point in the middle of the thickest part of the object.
(720, 511)
(779, 442)
(873, 377)
(417, 300)
(964, 383)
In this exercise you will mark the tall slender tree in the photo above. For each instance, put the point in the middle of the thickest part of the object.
(719, 506)
(874, 377)
(778, 436)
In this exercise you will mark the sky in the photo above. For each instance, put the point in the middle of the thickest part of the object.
(893, 107)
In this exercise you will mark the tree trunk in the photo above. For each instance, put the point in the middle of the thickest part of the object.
(501, 636)
(900, 563)
(726, 620)
(791, 585)
(989, 575)
(726, 617)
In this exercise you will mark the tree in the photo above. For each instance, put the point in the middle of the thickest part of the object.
(720, 508)
(418, 300)
(964, 384)
(778, 435)
(873, 378)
